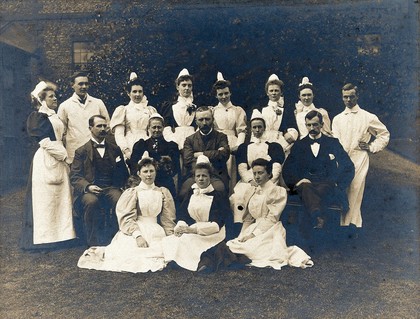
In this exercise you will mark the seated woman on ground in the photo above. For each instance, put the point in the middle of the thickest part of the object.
(204, 219)
(263, 237)
(137, 247)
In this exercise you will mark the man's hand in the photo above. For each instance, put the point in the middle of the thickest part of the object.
(141, 242)
(245, 238)
(364, 146)
(197, 154)
(94, 189)
(303, 180)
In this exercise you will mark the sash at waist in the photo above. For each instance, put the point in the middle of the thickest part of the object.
(148, 219)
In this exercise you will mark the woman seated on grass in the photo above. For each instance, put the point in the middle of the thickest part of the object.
(137, 247)
(204, 218)
(263, 237)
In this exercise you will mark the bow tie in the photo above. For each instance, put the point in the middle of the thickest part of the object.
(96, 145)
(314, 142)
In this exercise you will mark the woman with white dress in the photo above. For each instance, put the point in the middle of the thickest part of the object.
(129, 122)
(263, 237)
(203, 219)
(137, 246)
(48, 218)
(280, 120)
(179, 115)
(305, 105)
(230, 120)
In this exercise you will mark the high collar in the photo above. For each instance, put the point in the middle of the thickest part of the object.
(316, 137)
(144, 186)
(354, 109)
(141, 105)
(205, 135)
(198, 191)
(228, 106)
(186, 100)
(45, 109)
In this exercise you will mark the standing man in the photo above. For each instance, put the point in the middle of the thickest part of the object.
(354, 127)
(211, 143)
(97, 174)
(76, 111)
(319, 170)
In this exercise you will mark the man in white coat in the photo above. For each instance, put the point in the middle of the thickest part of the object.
(355, 127)
(76, 111)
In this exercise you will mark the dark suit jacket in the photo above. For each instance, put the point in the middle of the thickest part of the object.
(82, 171)
(332, 164)
(209, 145)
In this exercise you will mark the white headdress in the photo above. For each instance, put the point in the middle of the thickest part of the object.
(41, 86)
(156, 116)
(183, 72)
(273, 77)
(256, 115)
(203, 159)
(133, 76)
(305, 81)
(220, 76)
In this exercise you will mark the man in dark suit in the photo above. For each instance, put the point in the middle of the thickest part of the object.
(319, 170)
(211, 143)
(98, 173)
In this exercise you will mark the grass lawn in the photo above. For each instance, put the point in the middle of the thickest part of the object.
(373, 276)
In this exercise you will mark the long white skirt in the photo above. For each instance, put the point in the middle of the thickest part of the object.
(123, 254)
(187, 249)
(51, 200)
(269, 249)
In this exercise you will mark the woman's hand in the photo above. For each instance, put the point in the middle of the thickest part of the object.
(184, 230)
(141, 242)
(245, 238)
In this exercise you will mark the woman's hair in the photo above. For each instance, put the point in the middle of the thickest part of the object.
(220, 85)
(130, 84)
(263, 162)
(183, 78)
(274, 82)
(206, 166)
(146, 161)
(306, 86)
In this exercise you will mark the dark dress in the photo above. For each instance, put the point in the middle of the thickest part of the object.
(165, 153)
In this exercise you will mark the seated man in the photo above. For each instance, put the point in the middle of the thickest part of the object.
(97, 174)
(211, 143)
(319, 170)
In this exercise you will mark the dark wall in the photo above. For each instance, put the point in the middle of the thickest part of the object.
(15, 146)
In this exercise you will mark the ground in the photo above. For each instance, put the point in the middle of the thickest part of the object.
(375, 275)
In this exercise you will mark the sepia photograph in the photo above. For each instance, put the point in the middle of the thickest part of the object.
(209, 159)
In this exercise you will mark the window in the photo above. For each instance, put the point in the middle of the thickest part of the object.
(369, 44)
(82, 52)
